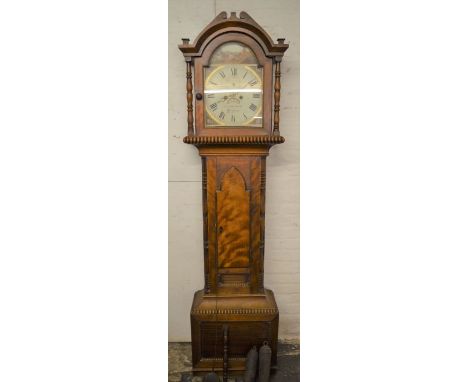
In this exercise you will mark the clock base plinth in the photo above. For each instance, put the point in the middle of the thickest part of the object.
(251, 319)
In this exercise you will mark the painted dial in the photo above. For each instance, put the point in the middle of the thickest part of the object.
(233, 94)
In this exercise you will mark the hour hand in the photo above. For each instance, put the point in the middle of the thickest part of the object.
(222, 99)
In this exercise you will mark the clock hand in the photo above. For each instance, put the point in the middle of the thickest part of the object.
(221, 100)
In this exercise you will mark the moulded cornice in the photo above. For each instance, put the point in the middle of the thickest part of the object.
(222, 24)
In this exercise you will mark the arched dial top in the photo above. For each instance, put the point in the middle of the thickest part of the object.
(233, 88)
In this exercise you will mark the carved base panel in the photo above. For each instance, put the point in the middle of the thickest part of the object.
(251, 320)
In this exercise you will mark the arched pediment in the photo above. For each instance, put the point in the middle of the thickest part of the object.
(243, 24)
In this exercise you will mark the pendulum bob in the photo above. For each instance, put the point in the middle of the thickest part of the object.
(264, 363)
(251, 365)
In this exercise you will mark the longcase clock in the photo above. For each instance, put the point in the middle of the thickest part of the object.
(233, 102)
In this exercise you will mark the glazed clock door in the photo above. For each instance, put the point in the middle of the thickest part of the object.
(233, 88)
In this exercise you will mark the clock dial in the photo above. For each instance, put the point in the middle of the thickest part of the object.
(234, 95)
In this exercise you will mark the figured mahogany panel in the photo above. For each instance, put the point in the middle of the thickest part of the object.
(233, 210)
(233, 204)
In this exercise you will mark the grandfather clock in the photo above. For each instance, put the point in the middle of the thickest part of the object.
(233, 120)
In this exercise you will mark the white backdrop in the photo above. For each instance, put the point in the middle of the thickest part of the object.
(83, 192)
(280, 19)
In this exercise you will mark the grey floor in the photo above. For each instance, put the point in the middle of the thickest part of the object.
(180, 363)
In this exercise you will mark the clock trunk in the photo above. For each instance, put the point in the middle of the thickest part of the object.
(234, 180)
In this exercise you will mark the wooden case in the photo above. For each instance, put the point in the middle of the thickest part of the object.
(233, 186)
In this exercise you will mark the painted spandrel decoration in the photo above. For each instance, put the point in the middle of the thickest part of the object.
(233, 53)
(233, 103)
